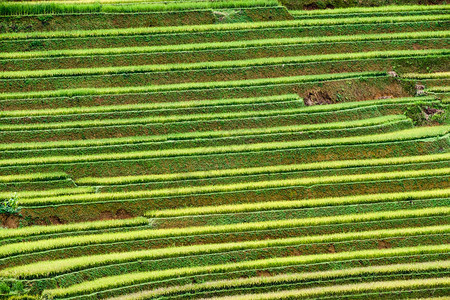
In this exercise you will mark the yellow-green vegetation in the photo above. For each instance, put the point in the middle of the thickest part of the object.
(42, 245)
(66, 265)
(224, 149)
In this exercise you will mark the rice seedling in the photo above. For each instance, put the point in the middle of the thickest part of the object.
(381, 286)
(134, 195)
(220, 27)
(403, 135)
(263, 170)
(149, 106)
(436, 75)
(365, 10)
(226, 45)
(136, 278)
(13, 249)
(49, 193)
(438, 89)
(32, 177)
(41, 8)
(296, 204)
(190, 86)
(61, 266)
(394, 119)
(83, 226)
(224, 64)
(291, 278)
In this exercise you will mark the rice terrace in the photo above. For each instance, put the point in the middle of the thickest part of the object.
(224, 149)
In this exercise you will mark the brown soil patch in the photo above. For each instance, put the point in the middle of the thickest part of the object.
(55, 220)
(317, 97)
(263, 273)
(311, 6)
(9, 221)
(106, 215)
(123, 214)
(429, 112)
(331, 248)
(384, 244)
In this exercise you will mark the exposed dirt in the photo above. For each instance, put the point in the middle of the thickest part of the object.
(263, 273)
(9, 221)
(55, 220)
(317, 97)
(106, 215)
(331, 248)
(384, 244)
(429, 112)
(123, 214)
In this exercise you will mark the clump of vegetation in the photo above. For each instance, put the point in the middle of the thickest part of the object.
(10, 205)
(4, 288)
(425, 114)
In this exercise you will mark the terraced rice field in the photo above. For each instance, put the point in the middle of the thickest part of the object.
(244, 149)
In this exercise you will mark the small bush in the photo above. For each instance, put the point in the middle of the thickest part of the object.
(17, 286)
(4, 288)
(10, 206)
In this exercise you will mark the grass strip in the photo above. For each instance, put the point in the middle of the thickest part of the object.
(284, 279)
(208, 116)
(33, 177)
(226, 45)
(438, 89)
(141, 277)
(263, 170)
(48, 193)
(296, 204)
(61, 266)
(41, 8)
(148, 106)
(64, 242)
(335, 290)
(190, 85)
(270, 184)
(219, 27)
(436, 75)
(41, 230)
(403, 135)
(222, 64)
(198, 134)
(363, 10)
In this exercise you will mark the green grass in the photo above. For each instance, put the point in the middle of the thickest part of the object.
(190, 86)
(40, 8)
(336, 290)
(74, 241)
(218, 27)
(403, 135)
(135, 278)
(385, 120)
(226, 45)
(438, 89)
(42, 230)
(52, 268)
(290, 278)
(33, 177)
(149, 106)
(296, 204)
(223, 64)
